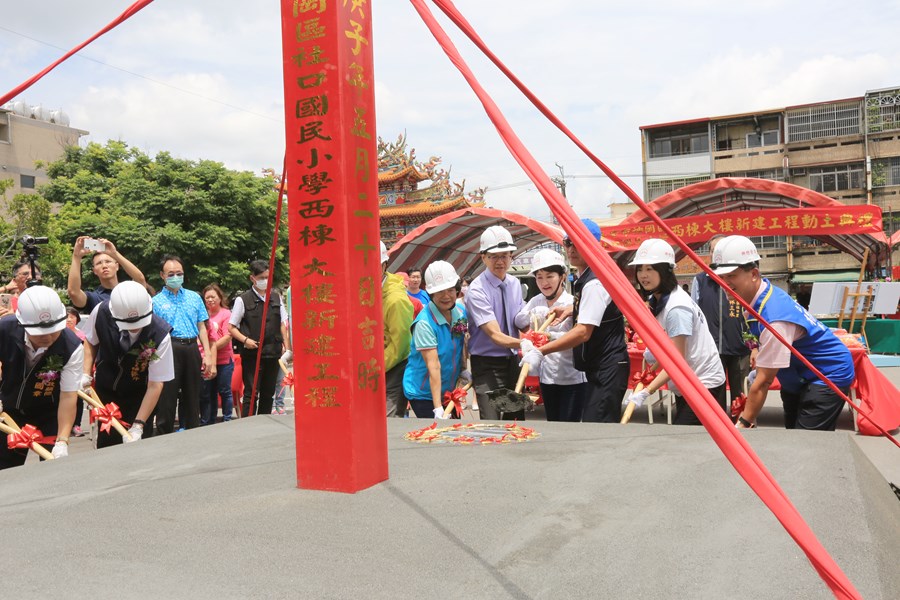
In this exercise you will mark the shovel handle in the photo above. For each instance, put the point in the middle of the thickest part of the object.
(95, 401)
(449, 408)
(629, 410)
(523, 374)
(8, 426)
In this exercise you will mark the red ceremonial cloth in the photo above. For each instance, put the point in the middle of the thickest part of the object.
(720, 428)
(876, 394)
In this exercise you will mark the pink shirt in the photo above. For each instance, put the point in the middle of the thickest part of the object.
(216, 328)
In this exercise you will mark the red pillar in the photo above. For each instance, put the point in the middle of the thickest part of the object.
(332, 188)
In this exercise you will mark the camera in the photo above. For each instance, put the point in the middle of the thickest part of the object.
(30, 254)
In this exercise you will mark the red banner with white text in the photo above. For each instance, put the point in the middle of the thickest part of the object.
(831, 220)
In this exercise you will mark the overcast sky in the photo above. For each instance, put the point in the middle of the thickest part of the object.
(202, 79)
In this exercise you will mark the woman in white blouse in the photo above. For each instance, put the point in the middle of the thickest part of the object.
(562, 386)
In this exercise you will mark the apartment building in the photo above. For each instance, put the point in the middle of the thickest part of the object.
(29, 134)
(847, 149)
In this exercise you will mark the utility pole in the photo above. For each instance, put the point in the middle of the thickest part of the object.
(560, 183)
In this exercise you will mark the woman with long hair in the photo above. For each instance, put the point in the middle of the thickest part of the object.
(684, 323)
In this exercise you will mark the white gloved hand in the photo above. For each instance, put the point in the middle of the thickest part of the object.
(533, 359)
(639, 397)
(136, 432)
(649, 358)
(539, 314)
(751, 377)
(86, 382)
(554, 335)
(525, 345)
(288, 357)
(60, 450)
(439, 414)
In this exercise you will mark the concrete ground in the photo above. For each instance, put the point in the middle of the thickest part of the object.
(584, 511)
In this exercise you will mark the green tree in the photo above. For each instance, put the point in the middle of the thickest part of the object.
(214, 218)
(24, 214)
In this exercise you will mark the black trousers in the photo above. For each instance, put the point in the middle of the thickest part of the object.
(813, 407)
(265, 385)
(605, 391)
(736, 369)
(684, 415)
(564, 402)
(182, 392)
(492, 373)
(129, 406)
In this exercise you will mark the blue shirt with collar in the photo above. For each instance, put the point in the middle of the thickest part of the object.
(183, 311)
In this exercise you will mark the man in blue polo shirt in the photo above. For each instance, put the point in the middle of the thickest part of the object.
(185, 312)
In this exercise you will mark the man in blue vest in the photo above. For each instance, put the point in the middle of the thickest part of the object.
(133, 352)
(597, 341)
(42, 362)
(808, 402)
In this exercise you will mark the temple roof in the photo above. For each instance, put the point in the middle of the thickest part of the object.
(425, 207)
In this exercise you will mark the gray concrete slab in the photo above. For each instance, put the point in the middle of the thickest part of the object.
(586, 511)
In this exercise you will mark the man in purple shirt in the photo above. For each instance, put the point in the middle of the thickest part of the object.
(492, 302)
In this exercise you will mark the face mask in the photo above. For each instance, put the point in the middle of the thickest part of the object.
(175, 282)
(261, 284)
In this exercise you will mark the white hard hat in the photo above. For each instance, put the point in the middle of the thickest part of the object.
(496, 239)
(652, 252)
(546, 258)
(731, 253)
(440, 275)
(384, 254)
(130, 306)
(40, 311)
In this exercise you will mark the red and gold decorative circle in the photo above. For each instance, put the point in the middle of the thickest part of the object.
(483, 434)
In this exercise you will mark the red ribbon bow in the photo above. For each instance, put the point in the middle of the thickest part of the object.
(456, 397)
(288, 380)
(737, 406)
(645, 377)
(25, 437)
(538, 339)
(107, 414)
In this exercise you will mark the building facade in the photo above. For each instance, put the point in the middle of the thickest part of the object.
(29, 134)
(847, 149)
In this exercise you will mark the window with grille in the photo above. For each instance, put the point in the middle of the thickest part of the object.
(833, 179)
(657, 188)
(823, 121)
(886, 172)
(883, 111)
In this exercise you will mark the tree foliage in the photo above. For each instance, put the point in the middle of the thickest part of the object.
(24, 214)
(214, 218)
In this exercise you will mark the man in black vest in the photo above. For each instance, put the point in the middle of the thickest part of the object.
(725, 318)
(132, 350)
(597, 341)
(42, 362)
(245, 327)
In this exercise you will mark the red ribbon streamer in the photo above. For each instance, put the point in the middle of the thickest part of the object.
(456, 397)
(25, 437)
(106, 414)
(288, 380)
(733, 445)
(129, 12)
